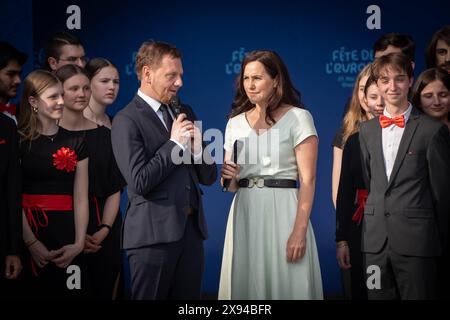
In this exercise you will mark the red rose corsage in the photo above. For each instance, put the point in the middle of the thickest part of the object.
(65, 158)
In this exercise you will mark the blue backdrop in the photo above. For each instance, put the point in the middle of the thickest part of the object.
(323, 44)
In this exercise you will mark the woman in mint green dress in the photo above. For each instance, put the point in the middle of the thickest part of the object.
(270, 250)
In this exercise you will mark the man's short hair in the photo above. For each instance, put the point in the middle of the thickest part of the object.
(151, 54)
(9, 53)
(402, 41)
(53, 47)
(396, 61)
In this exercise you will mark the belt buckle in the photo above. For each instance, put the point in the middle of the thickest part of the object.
(259, 182)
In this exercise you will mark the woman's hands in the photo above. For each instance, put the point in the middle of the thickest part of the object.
(40, 254)
(296, 246)
(230, 170)
(92, 243)
(66, 254)
(343, 255)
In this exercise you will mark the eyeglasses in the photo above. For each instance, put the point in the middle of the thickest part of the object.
(75, 59)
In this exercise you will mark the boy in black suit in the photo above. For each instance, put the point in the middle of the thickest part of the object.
(405, 157)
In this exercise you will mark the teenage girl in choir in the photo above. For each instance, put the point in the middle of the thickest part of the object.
(105, 182)
(105, 87)
(431, 94)
(352, 193)
(54, 167)
(356, 102)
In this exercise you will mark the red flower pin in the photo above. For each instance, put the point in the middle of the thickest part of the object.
(65, 158)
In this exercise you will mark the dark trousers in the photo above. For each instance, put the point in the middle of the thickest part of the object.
(353, 279)
(169, 270)
(402, 277)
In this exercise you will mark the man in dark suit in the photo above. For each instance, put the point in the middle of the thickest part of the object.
(406, 161)
(165, 226)
(10, 214)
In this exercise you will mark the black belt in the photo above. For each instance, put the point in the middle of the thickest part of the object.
(270, 183)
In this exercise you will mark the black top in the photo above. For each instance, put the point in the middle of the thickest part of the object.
(337, 141)
(10, 216)
(39, 174)
(351, 179)
(105, 178)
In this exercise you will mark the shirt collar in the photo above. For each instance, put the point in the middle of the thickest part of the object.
(154, 104)
(406, 114)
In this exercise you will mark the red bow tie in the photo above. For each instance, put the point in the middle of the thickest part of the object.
(10, 108)
(386, 121)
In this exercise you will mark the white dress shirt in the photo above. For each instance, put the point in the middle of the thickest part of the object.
(391, 137)
(156, 106)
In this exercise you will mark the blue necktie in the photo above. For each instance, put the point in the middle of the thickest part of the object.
(166, 117)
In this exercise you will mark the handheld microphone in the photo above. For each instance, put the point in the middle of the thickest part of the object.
(226, 182)
(175, 104)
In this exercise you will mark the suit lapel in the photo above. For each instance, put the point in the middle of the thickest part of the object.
(379, 152)
(149, 113)
(407, 136)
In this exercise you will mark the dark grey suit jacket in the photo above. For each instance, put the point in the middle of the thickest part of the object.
(412, 208)
(158, 189)
(10, 191)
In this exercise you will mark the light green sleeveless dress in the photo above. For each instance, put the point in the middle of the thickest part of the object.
(260, 221)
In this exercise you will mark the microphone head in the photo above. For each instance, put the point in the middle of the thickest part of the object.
(175, 101)
(175, 104)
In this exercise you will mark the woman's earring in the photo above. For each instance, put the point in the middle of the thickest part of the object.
(35, 109)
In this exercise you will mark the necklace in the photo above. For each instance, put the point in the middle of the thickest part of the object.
(51, 137)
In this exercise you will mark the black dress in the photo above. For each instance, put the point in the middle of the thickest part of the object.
(350, 181)
(105, 179)
(54, 228)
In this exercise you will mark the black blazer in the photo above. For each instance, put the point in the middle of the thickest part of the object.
(10, 190)
(158, 188)
(411, 209)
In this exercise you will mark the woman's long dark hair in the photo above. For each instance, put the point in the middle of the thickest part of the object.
(284, 93)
